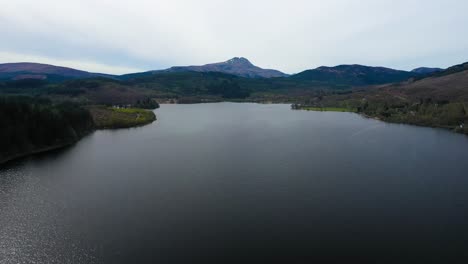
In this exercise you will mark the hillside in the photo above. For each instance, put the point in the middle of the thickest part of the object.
(199, 86)
(183, 84)
(28, 70)
(445, 87)
(112, 92)
(451, 70)
(354, 75)
(440, 100)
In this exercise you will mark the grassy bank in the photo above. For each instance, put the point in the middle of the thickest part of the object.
(327, 109)
(322, 108)
(111, 117)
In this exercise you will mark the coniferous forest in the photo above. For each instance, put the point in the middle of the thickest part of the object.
(34, 124)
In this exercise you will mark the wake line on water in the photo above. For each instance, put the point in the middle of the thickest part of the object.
(364, 130)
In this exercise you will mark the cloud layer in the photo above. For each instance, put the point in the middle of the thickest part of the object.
(117, 36)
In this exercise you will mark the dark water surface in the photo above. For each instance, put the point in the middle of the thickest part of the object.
(242, 183)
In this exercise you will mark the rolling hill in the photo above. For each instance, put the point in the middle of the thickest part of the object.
(354, 75)
(29, 70)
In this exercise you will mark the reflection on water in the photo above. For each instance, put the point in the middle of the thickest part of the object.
(241, 183)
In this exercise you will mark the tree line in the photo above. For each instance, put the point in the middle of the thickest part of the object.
(29, 124)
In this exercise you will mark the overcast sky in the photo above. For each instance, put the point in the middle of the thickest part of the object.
(116, 36)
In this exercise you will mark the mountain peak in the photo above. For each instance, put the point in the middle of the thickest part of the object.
(239, 60)
(239, 66)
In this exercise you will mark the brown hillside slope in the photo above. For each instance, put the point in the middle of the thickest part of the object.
(453, 87)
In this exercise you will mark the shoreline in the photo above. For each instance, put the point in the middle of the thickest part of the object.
(345, 110)
(115, 118)
(313, 109)
(35, 152)
(41, 150)
(329, 109)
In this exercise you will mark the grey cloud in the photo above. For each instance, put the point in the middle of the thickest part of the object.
(287, 35)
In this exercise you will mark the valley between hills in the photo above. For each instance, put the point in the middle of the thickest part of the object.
(39, 98)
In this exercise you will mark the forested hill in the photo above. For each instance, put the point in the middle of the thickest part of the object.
(31, 125)
(355, 75)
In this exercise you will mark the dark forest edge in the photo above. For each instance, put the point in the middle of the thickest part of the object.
(32, 125)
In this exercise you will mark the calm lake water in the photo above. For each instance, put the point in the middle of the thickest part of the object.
(241, 183)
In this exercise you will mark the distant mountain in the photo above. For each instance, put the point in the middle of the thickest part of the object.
(426, 70)
(236, 66)
(354, 75)
(28, 70)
